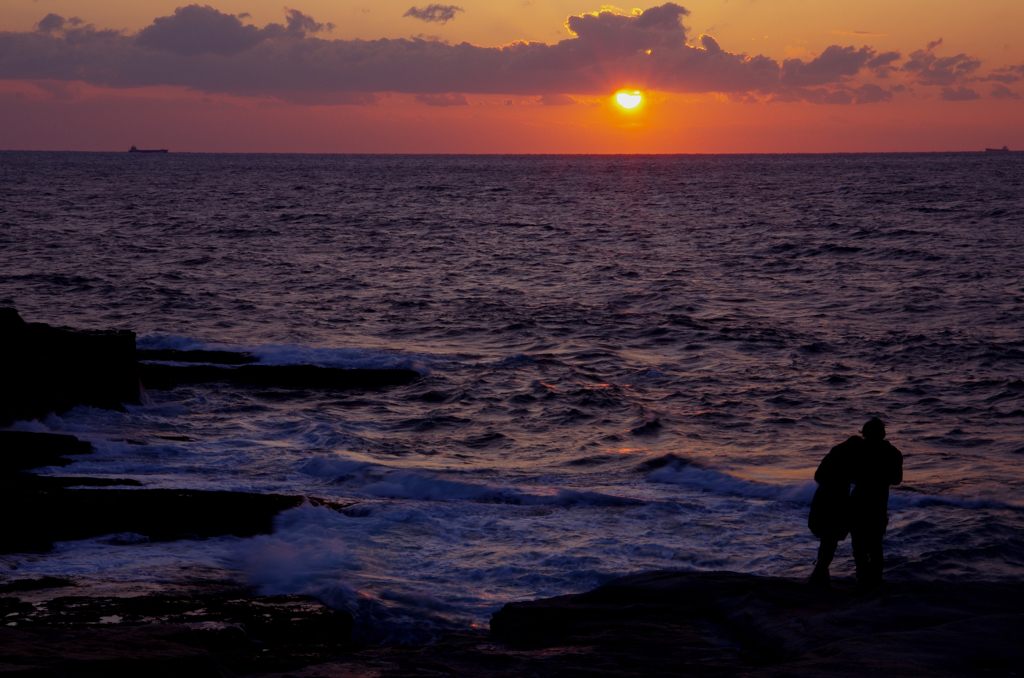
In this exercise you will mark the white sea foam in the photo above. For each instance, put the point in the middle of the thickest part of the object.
(414, 485)
(350, 358)
(295, 354)
(899, 500)
(367, 479)
(407, 571)
(341, 469)
(303, 552)
(719, 482)
(316, 551)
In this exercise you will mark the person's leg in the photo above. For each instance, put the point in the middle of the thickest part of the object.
(875, 555)
(826, 552)
(861, 557)
(867, 554)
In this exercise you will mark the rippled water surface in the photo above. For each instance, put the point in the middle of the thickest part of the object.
(628, 362)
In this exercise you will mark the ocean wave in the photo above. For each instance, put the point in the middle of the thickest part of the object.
(684, 472)
(340, 470)
(373, 480)
(177, 342)
(677, 470)
(295, 354)
(315, 551)
(899, 500)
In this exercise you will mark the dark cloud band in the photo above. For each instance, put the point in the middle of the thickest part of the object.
(204, 49)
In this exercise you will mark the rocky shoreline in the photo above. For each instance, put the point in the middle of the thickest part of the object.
(665, 623)
(668, 623)
(50, 631)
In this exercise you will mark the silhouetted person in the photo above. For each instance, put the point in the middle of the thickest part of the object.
(871, 464)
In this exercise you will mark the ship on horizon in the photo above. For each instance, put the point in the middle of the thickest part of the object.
(1004, 149)
(145, 150)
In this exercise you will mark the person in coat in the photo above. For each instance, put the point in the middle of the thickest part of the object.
(870, 464)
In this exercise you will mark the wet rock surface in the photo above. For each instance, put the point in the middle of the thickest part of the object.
(206, 634)
(141, 651)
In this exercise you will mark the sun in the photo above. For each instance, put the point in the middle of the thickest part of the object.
(627, 100)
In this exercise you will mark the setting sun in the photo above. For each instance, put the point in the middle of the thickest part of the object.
(627, 100)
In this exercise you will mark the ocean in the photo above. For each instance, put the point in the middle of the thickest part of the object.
(627, 363)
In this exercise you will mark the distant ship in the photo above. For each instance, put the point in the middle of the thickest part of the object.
(145, 150)
(1004, 149)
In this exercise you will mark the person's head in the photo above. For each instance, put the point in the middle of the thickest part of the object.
(874, 429)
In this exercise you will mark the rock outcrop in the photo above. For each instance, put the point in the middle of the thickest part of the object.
(21, 450)
(40, 510)
(724, 623)
(52, 369)
(48, 514)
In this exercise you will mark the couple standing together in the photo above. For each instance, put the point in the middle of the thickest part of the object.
(871, 464)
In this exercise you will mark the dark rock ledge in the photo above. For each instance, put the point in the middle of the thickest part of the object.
(52, 369)
(39, 510)
(713, 624)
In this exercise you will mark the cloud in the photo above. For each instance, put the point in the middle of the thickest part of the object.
(863, 34)
(557, 100)
(1003, 92)
(298, 24)
(872, 94)
(882, 60)
(881, 64)
(333, 98)
(440, 14)
(1007, 74)
(710, 44)
(203, 49)
(865, 94)
(196, 30)
(817, 95)
(631, 32)
(442, 99)
(959, 94)
(928, 69)
(58, 91)
(55, 22)
(834, 64)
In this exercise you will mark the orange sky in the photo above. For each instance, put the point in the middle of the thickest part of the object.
(207, 81)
